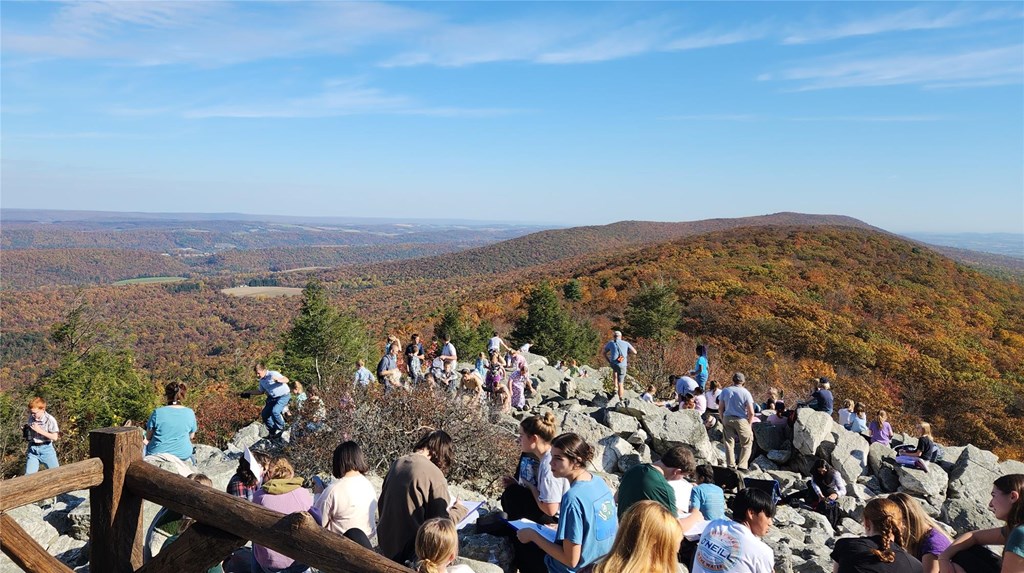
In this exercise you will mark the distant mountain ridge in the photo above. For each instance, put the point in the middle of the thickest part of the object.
(563, 244)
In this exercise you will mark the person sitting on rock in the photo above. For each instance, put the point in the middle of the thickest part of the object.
(968, 554)
(282, 492)
(926, 450)
(651, 481)
(824, 489)
(647, 542)
(779, 416)
(437, 546)
(415, 490)
(471, 386)
(707, 497)
(349, 504)
(586, 523)
(881, 431)
(846, 412)
(534, 492)
(859, 419)
(879, 551)
(821, 398)
(171, 428)
(734, 545)
(922, 537)
(249, 474)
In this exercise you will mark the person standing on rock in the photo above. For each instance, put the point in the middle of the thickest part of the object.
(616, 352)
(448, 354)
(494, 345)
(414, 356)
(737, 407)
(700, 368)
(734, 545)
(40, 432)
(275, 386)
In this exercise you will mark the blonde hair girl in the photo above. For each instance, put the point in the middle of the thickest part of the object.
(437, 545)
(647, 541)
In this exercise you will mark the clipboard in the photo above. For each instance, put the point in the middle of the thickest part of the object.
(471, 512)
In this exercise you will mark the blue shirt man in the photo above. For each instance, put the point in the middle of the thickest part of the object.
(275, 386)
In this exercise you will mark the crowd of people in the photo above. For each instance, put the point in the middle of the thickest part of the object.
(559, 515)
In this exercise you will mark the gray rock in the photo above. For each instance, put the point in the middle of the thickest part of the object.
(888, 478)
(479, 566)
(972, 475)
(680, 428)
(248, 436)
(487, 549)
(787, 480)
(640, 409)
(849, 526)
(931, 484)
(621, 424)
(851, 507)
(765, 463)
(850, 456)
(628, 462)
(69, 550)
(811, 430)
(1011, 467)
(586, 427)
(780, 456)
(80, 518)
(786, 516)
(964, 515)
(30, 518)
(876, 453)
(614, 448)
(769, 436)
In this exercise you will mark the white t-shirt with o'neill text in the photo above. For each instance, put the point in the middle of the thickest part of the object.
(729, 547)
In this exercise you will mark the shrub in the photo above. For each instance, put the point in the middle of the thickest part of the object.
(387, 425)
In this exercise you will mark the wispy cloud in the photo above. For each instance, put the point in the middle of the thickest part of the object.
(340, 98)
(911, 19)
(714, 38)
(983, 67)
(714, 117)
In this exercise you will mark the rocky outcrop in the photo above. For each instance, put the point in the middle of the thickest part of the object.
(628, 432)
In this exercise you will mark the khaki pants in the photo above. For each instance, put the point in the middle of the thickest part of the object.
(737, 429)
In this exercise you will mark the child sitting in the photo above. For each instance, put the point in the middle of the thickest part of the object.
(437, 546)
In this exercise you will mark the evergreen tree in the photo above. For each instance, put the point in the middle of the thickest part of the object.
(653, 312)
(96, 383)
(572, 290)
(323, 345)
(550, 328)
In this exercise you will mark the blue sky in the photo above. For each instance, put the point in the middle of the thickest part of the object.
(909, 116)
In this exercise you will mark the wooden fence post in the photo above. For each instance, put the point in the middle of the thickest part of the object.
(116, 532)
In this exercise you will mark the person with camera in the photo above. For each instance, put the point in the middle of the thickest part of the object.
(616, 352)
(40, 433)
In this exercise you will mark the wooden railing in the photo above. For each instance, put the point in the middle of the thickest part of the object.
(120, 481)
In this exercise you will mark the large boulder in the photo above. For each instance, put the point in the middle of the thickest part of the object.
(930, 484)
(850, 456)
(972, 475)
(1011, 467)
(811, 430)
(621, 424)
(769, 436)
(878, 452)
(614, 448)
(965, 515)
(680, 428)
(640, 409)
(583, 425)
(247, 437)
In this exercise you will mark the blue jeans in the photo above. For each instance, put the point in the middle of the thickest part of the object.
(272, 413)
(44, 453)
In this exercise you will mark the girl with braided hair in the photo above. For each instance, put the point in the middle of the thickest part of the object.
(880, 550)
(437, 545)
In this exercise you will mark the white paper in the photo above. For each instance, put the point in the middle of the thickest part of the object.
(472, 513)
(545, 532)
